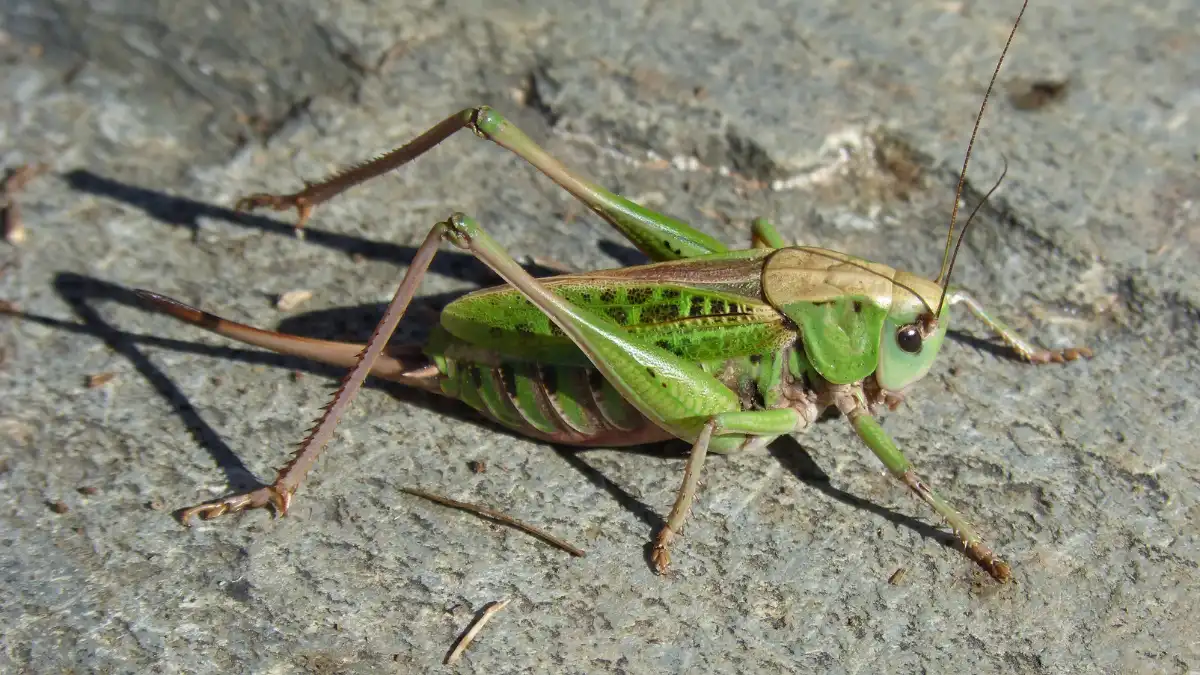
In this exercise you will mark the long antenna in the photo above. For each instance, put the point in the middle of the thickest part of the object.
(943, 277)
(963, 235)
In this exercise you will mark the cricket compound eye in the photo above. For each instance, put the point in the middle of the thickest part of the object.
(908, 346)
(909, 338)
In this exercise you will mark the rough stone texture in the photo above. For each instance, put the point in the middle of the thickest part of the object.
(842, 121)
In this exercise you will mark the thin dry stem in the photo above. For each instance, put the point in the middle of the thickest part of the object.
(501, 518)
(13, 226)
(465, 641)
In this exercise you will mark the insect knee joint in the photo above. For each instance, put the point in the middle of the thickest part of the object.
(459, 229)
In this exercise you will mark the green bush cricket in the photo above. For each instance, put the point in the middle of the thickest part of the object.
(727, 350)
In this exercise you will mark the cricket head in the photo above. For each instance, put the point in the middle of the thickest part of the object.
(857, 318)
(912, 334)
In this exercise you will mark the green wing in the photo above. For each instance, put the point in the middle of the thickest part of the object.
(695, 323)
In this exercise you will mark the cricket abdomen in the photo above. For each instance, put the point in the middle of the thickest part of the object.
(561, 404)
(575, 404)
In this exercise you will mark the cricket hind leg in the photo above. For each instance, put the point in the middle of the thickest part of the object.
(405, 365)
(464, 233)
(1024, 349)
(289, 478)
(659, 236)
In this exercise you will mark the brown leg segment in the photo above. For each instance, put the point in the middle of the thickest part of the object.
(279, 494)
(658, 236)
(409, 367)
(660, 555)
(314, 193)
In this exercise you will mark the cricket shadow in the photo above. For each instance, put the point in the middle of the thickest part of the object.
(992, 346)
(186, 213)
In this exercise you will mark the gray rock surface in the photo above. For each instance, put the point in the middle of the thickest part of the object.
(843, 121)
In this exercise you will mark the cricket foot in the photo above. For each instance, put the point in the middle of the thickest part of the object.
(269, 495)
(298, 201)
(659, 555)
(1059, 356)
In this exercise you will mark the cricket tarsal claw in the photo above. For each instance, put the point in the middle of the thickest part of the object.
(997, 568)
(270, 495)
(660, 557)
(1060, 356)
(262, 200)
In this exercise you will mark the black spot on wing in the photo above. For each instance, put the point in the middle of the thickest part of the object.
(638, 295)
(659, 313)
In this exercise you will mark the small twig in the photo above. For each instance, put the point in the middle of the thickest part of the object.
(14, 226)
(463, 642)
(290, 300)
(501, 518)
(16, 180)
(19, 177)
(385, 61)
(99, 379)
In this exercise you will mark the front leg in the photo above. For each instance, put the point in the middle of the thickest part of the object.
(1025, 349)
(871, 433)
